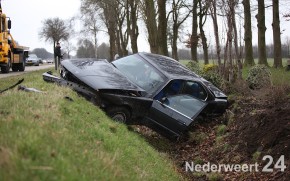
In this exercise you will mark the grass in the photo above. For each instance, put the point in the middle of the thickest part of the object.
(221, 129)
(279, 76)
(46, 137)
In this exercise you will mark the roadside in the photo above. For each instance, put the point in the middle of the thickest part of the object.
(253, 130)
(27, 69)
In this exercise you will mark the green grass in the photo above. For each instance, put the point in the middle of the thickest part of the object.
(46, 137)
(279, 76)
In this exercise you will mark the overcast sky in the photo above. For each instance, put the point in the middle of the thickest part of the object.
(27, 17)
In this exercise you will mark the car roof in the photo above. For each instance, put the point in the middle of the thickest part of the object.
(171, 68)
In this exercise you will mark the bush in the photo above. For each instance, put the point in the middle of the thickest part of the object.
(209, 72)
(214, 78)
(194, 66)
(210, 67)
(259, 76)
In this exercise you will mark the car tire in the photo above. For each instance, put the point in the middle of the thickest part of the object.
(119, 114)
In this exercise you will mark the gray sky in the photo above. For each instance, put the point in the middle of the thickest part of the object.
(27, 17)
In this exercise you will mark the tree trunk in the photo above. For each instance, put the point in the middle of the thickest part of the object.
(261, 33)
(111, 23)
(202, 14)
(204, 45)
(55, 63)
(276, 35)
(194, 38)
(249, 59)
(151, 25)
(162, 27)
(174, 42)
(234, 24)
(230, 44)
(118, 43)
(134, 30)
(216, 32)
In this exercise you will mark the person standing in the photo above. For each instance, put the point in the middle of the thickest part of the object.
(57, 55)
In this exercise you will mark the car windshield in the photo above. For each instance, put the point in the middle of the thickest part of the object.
(139, 72)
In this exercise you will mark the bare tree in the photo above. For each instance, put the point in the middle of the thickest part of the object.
(54, 30)
(180, 12)
(90, 18)
(122, 34)
(233, 6)
(162, 27)
(213, 10)
(132, 18)
(249, 59)
(261, 33)
(194, 38)
(68, 48)
(86, 49)
(276, 35)
(203, 11)
(149, 16)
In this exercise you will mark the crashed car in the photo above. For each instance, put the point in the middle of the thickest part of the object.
(148, 88)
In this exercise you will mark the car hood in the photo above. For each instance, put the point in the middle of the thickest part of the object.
(99, 74)
(216, 91)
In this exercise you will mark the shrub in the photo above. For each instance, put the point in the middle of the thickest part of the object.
(259, 76)
(208, 72)
(210, 67)
(214, 78)
(194, 66)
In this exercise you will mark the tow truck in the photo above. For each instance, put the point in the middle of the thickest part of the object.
(12, 55)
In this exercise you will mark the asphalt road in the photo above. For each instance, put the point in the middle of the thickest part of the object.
(27, 69)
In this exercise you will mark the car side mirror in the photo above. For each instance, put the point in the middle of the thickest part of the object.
(9, 24)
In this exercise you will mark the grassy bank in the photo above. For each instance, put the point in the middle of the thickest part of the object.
(44, 136)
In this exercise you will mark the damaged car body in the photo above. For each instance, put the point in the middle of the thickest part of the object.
(147, 88)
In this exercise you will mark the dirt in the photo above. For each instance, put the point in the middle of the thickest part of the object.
(254, 126)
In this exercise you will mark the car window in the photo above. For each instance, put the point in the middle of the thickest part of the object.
(176, 87)
(172, 88)
(185, 104)
(139, 72)
(194, 89)
(32, 56)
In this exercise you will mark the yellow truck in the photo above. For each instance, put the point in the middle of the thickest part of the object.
(11, 54)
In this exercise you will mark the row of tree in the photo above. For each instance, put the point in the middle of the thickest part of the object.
(164, 21)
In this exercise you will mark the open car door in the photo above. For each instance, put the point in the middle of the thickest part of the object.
(175, 113)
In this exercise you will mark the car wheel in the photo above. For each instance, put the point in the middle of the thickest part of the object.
(119, 114)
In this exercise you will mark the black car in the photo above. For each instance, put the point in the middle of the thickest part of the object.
(148, 88)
